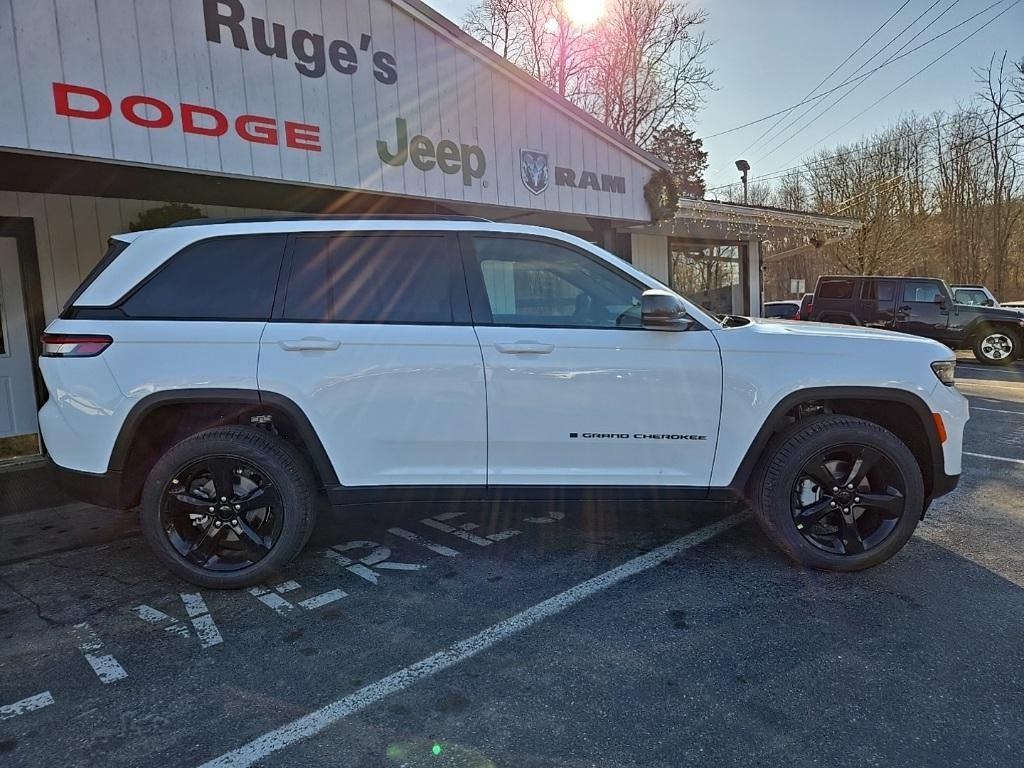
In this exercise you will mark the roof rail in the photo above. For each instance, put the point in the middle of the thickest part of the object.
(328, 217)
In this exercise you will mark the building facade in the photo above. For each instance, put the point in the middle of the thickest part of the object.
(115, 108)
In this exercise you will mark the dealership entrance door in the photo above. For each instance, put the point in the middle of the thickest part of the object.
(18, 425)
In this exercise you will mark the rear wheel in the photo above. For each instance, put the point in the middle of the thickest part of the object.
(838, 493)
(997, 346)
(229, 507)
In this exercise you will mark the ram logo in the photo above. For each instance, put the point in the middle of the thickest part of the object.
(534, 168)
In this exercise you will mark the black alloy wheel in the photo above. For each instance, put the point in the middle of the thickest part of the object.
(848, 499)
(222, 513)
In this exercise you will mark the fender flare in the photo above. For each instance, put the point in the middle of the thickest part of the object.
(777, 420)
(250, 397)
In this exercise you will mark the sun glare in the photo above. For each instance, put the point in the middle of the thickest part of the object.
(584, 12)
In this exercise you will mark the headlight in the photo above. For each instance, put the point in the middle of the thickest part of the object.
(946, 371)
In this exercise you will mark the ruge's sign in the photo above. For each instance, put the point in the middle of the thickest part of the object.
(311, 50)
(371, 95)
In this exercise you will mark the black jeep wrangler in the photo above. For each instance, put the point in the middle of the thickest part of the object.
(922, 306)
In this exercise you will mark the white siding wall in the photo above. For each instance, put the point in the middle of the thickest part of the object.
(754, 266)
(72, 233)
(650, 253)
(159, 48)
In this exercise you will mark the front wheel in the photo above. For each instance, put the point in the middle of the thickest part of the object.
(229, 507)
(997, 347)
(838, 493)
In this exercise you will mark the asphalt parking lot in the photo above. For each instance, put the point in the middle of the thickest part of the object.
(534, 637)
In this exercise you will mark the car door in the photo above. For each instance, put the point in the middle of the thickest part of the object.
(877, 305)
(578, 393)
(918, 311)
(371, 337)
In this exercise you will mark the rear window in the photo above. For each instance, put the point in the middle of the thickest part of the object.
(114, 249)
(225, 278)
(835, 289)
(780, 310)
(879, 290)
(370, 279)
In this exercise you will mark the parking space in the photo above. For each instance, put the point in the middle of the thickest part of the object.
(535, 636)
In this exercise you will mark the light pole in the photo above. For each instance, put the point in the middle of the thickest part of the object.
(743, 166)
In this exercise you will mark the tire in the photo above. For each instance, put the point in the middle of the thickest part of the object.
(780, 482)
(272, 485)
(997, 346)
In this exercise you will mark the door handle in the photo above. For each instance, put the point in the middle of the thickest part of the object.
(309, 345)
(525, 348)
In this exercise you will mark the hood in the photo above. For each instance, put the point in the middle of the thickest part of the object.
(838, 337)
(995, 313)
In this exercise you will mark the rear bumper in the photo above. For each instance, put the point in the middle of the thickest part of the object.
(107, 489)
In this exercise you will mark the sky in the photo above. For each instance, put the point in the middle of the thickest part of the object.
(768, 54)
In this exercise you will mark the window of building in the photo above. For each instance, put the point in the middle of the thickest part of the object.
(227, 278)
(879, 290)
(712, 275)
(835, 289)
(529, 282)
(370, 279)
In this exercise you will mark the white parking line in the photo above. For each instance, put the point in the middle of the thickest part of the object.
(996, 410)
(24, 706)
(106, 667)
(994, 458)
(314, 722)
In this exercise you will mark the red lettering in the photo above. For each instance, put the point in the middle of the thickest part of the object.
(130, 103)
(188, 120)
(259, 130)
(151, 112)
(302, 136)
(62, 93)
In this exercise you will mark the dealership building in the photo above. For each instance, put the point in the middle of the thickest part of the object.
(115, 108)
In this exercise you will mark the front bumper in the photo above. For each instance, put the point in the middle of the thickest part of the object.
(943, 484)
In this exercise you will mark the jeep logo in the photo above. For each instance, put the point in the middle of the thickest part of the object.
(451, 158)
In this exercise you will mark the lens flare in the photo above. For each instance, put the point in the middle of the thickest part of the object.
(584, 12)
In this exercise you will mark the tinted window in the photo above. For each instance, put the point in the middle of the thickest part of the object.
(835, 289)
(780, 310)
(879, 290)
(921, 291)
(219, 279)
(529, 282)
(370, 279)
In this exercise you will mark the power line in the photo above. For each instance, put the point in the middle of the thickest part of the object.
(927, 66)
(827, 77)
(859, 83)
(808, 166)
(849, 80)
(960, 145)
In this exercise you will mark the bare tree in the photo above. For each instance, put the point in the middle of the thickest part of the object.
(1002, 139)
(639, 69)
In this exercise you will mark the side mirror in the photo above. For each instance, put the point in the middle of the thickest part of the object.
(664, 311)
(988, 303)
(940, 300)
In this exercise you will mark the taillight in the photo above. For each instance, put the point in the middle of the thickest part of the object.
(77, 345)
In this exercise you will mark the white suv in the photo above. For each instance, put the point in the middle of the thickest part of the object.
(220, 374)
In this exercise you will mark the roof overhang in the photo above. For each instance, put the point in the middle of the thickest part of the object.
(713, 220)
